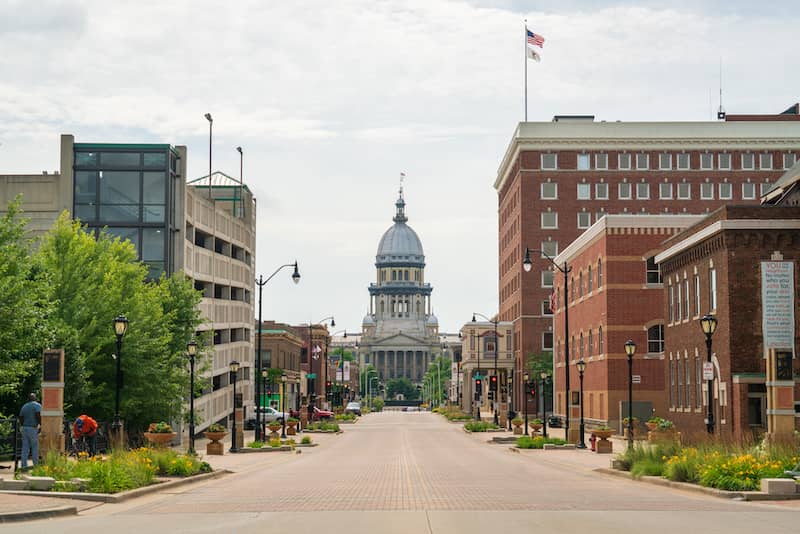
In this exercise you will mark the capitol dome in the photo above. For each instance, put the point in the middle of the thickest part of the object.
(368, 320)
(400, 244)
(432, 320)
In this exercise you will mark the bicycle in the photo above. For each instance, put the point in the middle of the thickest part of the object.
(82, 447)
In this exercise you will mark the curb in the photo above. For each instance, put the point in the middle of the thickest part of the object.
(125, 495)
(249, 450)
(30, 515)
(713, 492)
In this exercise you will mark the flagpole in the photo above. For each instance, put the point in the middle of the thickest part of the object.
(525, 59)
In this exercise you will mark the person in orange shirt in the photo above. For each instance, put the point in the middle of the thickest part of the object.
(86, 427)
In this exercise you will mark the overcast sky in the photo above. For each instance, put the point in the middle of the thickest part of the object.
(332, 100)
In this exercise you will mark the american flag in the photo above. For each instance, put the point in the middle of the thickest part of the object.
(535, 39)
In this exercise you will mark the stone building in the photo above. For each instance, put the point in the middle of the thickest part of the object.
(716, 267)
(400, 334)
(280, 350)
(486, 353)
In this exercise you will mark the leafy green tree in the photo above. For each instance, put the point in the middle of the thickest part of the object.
(536, 363)
(438, 375)
(401, 386)
(366, 372)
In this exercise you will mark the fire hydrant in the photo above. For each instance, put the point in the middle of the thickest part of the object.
(592, 441)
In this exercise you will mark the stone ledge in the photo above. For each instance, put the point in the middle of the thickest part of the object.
(30, 515)
(555, 447)
(245, 450)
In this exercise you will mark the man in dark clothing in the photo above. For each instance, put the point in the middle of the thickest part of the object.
(31, 419)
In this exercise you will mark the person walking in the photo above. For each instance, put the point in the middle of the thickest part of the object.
(85, 428)
(31, 418)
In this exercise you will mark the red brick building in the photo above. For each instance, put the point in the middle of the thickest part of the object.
(716, 267)
(615, 294)
(557, 178)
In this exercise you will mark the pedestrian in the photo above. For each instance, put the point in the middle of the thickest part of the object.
(85, 427)
(31, 418)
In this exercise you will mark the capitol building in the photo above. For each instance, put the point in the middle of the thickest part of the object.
(400, 334)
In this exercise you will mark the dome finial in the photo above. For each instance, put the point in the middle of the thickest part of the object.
(401, 204)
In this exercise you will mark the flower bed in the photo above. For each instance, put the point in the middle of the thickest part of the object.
(454, 413)
(120, 470)
(480, 426)
(526, 442)
(321, 426)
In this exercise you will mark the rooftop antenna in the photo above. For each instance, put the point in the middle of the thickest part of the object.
(721, 110)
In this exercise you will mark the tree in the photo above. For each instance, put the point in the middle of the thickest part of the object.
(366, 373)
(401, 386)
(536, 363)
(438, 375)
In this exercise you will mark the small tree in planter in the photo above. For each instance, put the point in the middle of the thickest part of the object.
(517, 422)
(215, 432)
(536, 425)
(291, 426)
(159, 434)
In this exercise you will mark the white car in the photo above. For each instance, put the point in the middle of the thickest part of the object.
(269, 414)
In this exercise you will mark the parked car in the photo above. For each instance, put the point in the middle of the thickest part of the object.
(554, 421)
(321, 414)
(268, 415)
(353, 407)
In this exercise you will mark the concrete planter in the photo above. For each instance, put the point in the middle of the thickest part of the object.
(215, 448)
(160, 439)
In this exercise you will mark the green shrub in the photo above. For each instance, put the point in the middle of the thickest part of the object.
(216, 427)
(538, 442)
(648, 467)
(275, 442)
(255, 444)
(345, 417)
(684, 466)
(479, 426)
(377, 404)
(306, 440)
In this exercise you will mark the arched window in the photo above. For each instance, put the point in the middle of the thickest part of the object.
(600, 340)
(580, 284)
(382, 308)
(589, 280)
(599, 274)
(591, 343)
(655, 339)
(581, 344)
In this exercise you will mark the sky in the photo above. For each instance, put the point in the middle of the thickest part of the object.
(331, 101)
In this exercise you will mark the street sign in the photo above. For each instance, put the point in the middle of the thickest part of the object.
(311, 375)
(637, 379)
(708, 371)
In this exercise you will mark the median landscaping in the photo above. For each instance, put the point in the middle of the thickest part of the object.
(322, 426)
(481, 426)
(538, 442)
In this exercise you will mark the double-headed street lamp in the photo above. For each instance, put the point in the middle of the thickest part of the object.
(709, 325)
(545, 378)
(312, 354)
(526, 387)
(630, 350)
(493, 383)
(258, 392)
(581, 365)
(120, 327)
(191, 351)
(234, 367)
(527, 264)
(510, 398)
(283, 404)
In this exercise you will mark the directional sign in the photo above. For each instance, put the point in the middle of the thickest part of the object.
(637, 379)
(311, 375)
(708, 371)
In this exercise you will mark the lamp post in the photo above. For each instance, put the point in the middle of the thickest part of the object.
(565, 270)
(709, 325)
(510, 399)
(191, 350)
(258, 391)
(496, 347)
(478, 396)
(234, 367)
(526, 387)
(241, 183)
(630, 350)
(311, 348)
(371, 390)
(120, 327)
(581, 365)
(283, 404)
(210, 127)
(544, 376)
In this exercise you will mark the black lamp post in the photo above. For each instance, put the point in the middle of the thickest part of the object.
(510, 399)
(565, 270)
(544, 376)
(234, 367)
(120, 327)
(283, 405)
(581, 365)
(709, 325)
(259, 392)
(241, 184)
(260, 431)
(630, 350)
(191, 350)
(496, 347)
(312, 397)
(526, 378)
(210, 128)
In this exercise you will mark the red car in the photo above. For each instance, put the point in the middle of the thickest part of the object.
(321, 414)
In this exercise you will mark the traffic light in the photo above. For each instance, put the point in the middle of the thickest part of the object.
(478, 385)
(493, 383)
(533, 390)
(491, 395)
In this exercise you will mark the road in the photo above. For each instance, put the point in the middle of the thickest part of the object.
(414, 472)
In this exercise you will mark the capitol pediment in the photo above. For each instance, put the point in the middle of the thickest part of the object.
(399, 339)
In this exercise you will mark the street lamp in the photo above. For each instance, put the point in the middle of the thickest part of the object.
(241, 183)
(510, 399)
(234, 367)
(260, 431)
(258, 391)
(191, 350)
(120, 327)
(526, 377)
(581, 365)
(210, 126)
(477, 397)
(544, 376)
(565, 270)
(630, 350)
(709, 325)
(283, 404)
(496, 347)
(311, 353)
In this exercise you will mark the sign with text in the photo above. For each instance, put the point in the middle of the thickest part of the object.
(636, 379)
(777, 305)
(708, 371)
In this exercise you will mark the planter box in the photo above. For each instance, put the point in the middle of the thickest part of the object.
(160, 439)
(40, 483)
(779, 486)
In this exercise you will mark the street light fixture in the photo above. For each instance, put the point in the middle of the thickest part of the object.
(544, 376)
(510, 399)
(527, 264)
(581, 365)
(630, 350)
(241, 183)
(234, 367)
(260, 430)
(210, 127)
(709, 325)
(283, 404)
(526, 378)
(312, 397)
(191, 350)
(258, 391)
(496, 348)
(120, 327)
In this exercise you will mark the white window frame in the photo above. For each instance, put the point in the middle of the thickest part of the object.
(678, 302)
(641, 197)
(659, 339)
(688, 189)
(751, 196)
(686, 303)
(587, 159)
(545, 348)
(619, 191)
(688, 158)
(622, 155)
(752, 157)
(546, 253)
(646, 165)
(661, 195)
(541, 191)
(661, 165)
(555, 214)
(546, 311)
(599, 215)
(785, 160)
(762, 161)
(729, 196)
(708, 156)
(555, 162)
(709, 185)
(697, 295)
(588, 189)
(552, 277)
(764, 187)
(597, 187)
(722, 166)
(597, 164)
(671, 303)
(588, 217)
(712, 289)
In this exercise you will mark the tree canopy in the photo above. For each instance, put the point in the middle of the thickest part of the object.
(401, 386)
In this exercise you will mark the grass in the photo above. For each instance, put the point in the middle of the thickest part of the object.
(479, 426)
(345, 417)
(526, 442)
(323, 425)
(306, 440)
(255, 444)
(454, 413)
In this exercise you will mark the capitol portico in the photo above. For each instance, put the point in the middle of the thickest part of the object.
(400, 334)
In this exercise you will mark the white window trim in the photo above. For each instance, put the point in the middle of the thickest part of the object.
(619, 191)
(668, 167)
(688, 162)
(588, 162)
(784, 160)
(637, 191)
(719, 161)
(660, 196)
(541, 220)
(744, 195)
(646, 162)
(578, 191)
(550, 349)
(541, 162)
(703, 197)
(741, 162)
(761, 164)
(541, 191)
(597, 166)
(619, 161)
(544, 253)
(589, 214)
(711, 168)
(542, 279)
(597, 194)
(719, 191)
(689, 196)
